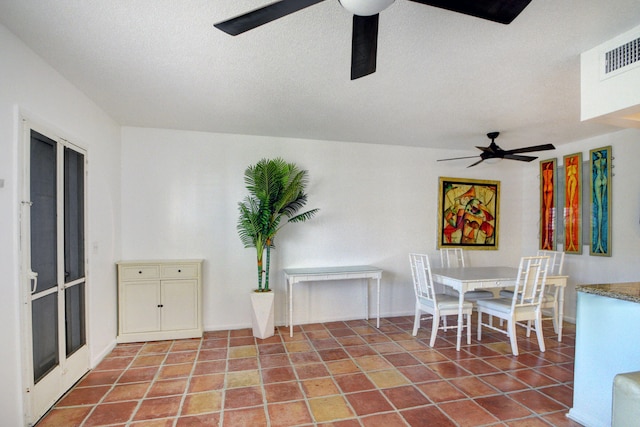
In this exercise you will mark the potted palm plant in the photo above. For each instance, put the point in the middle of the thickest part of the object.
(276, 195)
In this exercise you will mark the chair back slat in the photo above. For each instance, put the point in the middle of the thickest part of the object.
(556, 262)
(421, 273)
(452, 257)
(530, 284)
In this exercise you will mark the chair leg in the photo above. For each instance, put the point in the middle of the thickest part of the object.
(511, 326)
(558, 325)
(479, 325)
(555, 317)
(468, 329)
(416, 322)
(528, 328)
(434, 329)
(539, 332)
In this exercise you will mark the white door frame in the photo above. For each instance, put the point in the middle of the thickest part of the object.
(38, 398)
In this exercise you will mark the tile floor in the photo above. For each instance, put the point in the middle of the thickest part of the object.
(340, 374)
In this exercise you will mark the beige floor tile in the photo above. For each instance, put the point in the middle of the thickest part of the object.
(329, 408)
(243, 378)
(387, 378)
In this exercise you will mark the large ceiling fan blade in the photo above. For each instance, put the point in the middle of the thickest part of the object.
(502, 11)
(542, 147)
(364, 45)
(491, 150)
(473, 164)
(516, 157)
(456, 158)
(263, 15)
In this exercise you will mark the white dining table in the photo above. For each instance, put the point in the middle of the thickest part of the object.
(465, 279)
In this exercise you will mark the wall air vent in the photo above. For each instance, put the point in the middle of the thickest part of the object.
(621, 58)
(610, 81)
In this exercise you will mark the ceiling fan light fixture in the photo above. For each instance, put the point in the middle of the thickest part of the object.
(493, 160)
(366, 7)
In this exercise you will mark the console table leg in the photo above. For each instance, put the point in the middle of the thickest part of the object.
(290, 309)
(378, 303)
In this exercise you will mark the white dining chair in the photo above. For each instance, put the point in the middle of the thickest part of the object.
(455, 258)
(452, 257)
(550, 299)
(437, 304)
(525, 305)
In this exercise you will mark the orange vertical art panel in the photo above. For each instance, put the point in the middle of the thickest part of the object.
(573, 203)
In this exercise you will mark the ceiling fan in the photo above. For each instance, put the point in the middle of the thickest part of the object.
(495, 152)
(364, 41)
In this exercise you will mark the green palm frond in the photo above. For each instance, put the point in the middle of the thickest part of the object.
(304, 216)
(276, 190)
(249, 224)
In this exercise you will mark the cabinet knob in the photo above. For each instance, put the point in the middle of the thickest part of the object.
(140, 272)
(160, 305)
(179, 271)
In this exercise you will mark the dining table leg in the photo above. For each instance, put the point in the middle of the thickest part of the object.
(560, 313)
(460, 319)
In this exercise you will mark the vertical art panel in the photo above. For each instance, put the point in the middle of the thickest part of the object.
(600, 189)
(573, 203)
(468, 213)
(548, 185)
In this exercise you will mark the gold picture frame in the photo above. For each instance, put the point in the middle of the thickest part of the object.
(468, 213)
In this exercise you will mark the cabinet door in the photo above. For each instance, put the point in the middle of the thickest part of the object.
(179, 304)
(140, 311)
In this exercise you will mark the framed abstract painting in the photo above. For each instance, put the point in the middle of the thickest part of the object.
(600, 194)
(468, 213)
(573, 203)
(548, 200)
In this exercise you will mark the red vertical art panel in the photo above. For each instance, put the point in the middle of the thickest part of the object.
(548, 200)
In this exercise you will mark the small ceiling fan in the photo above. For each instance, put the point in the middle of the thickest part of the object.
(364, 41)
(495, 152)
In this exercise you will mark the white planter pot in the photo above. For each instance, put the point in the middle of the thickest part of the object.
(262, 314)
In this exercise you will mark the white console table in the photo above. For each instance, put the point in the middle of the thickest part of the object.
(296, 275)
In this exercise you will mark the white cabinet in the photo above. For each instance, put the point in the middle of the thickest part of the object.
(159, 300)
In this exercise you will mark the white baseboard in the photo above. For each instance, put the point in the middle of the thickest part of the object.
(105, 352)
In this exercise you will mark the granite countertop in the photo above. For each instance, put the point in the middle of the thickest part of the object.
(629, 291)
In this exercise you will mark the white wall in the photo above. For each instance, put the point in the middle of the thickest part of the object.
(378, 203)
(31, 87)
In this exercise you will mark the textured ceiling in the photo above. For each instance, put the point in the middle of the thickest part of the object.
(443, 79)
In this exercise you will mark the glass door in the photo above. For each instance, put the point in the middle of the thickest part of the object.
(53, 235)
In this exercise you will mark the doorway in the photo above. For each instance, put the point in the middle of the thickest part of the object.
(53, 269)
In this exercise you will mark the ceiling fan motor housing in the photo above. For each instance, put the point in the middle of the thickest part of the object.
(366, 7)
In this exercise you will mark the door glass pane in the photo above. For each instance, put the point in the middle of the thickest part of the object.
(44, 318)
(43, 210)
(74, 318)
(73, 215)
